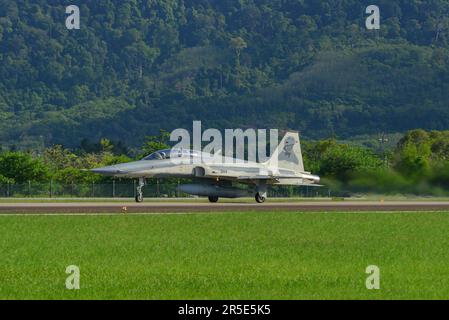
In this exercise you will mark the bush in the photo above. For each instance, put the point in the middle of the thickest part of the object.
(22, 167)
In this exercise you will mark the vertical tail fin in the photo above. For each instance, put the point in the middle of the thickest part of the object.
(288, 154)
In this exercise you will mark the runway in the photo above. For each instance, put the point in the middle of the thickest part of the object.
(191, 207)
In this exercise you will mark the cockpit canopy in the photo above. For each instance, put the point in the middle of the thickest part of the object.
(171, 153)
(159, 155)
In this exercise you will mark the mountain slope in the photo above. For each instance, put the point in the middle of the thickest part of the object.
(137, 66)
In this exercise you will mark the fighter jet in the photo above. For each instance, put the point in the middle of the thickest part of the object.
(215, 179)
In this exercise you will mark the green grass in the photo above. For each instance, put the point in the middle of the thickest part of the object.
(226, 256)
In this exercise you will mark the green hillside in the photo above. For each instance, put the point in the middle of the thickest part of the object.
(138, 66)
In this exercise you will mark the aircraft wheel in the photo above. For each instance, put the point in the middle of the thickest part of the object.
(259, 198)
(139, 197)
(213, 199)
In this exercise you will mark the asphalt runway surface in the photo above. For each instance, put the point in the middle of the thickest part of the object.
(191, 207)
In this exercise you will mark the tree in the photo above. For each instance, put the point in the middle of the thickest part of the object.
(340, 161)
(22, 167)
(238, 44)
(156, 142)
(74, 175)
(106, 145)
(140, 57)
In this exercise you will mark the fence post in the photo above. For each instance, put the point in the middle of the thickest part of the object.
(134, 188)
(51, 188)
(7, 189)
(93, 187)
(29, 188)
(113, 188)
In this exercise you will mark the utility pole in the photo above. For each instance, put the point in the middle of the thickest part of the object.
(134, 188)
(383, 139)
(113, 188)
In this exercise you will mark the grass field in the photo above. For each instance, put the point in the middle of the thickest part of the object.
(226, 256)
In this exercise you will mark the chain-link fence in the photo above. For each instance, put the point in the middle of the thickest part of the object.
(120, 189)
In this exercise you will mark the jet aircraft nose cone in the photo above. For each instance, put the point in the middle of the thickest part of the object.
(110, 170)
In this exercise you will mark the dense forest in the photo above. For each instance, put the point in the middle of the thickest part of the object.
(138, 66)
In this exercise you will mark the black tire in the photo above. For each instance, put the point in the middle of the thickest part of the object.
(213, 199)
(259, 198)
(139, 198)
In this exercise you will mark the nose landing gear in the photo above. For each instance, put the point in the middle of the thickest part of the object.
(139, 193)
(261, 192)
(260, 198)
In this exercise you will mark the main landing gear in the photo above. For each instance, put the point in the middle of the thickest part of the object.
(139, 193)
(260, 198)
(213, 199)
